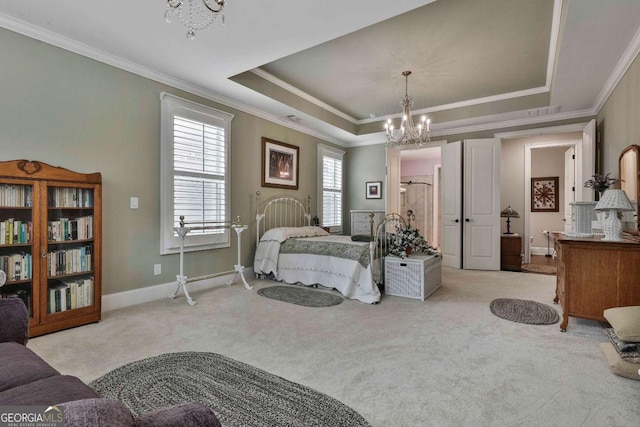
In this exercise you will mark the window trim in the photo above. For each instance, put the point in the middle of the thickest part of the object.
(170, 106)
(327, 151)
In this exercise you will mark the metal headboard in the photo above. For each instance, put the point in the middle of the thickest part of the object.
(281, 211)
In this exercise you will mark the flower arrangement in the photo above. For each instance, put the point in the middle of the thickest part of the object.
(409, 237)
(600, 183)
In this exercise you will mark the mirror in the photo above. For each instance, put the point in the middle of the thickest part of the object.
(629, 173)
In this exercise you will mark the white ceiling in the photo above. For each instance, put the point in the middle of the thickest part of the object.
(477, 64)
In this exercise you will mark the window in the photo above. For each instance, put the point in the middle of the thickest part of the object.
(330, 187)
(194, 173)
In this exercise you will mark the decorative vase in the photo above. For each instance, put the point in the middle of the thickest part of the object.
(408, 250)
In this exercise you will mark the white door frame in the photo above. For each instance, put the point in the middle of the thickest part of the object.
(585, 163)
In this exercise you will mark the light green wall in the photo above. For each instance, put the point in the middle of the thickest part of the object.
(367, 163)
(67, 110)
(619, 120)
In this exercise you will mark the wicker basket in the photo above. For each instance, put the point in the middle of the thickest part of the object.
(416, 276)
(582, 216)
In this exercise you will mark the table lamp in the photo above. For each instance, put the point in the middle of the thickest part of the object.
(613, 201)
(509, 213)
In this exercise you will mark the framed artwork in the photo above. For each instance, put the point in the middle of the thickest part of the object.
(374, 190)
(279, 164)
(544, 194)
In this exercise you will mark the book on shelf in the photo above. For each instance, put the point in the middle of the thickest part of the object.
(70, 294)
(16, 195)
(17, 266)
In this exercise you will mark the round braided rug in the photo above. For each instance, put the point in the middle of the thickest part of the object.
(524, 311)
(239, 394)
(300, 296)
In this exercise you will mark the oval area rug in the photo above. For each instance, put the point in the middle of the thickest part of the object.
(239, 394)
(300, 296)
(524, 311)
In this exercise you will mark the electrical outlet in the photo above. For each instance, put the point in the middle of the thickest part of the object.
(157, 269)
(133, 203)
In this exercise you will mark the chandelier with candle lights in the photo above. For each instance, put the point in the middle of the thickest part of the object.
(408, 133)
(196, 15)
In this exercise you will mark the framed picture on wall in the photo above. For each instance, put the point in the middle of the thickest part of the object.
(374, 190)
(544, 194)
(279, 164)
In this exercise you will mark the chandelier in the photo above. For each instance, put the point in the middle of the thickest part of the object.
(408, 133)
(196, 15)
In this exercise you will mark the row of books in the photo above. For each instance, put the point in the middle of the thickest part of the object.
(70, 229)
(23, 294)
(16, 196)
(65, 197)
(13, 231)
(69, 261)
(17, 266)
(70, 294)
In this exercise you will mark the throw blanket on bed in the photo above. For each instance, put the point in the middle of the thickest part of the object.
(266, 258)
(321, 246)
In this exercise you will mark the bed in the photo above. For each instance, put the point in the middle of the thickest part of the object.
(291, 250)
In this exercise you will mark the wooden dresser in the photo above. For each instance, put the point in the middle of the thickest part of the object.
(594, 275)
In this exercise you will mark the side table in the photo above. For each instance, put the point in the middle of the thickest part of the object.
(510, 252)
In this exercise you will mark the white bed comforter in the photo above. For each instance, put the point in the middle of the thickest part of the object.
(349, 277)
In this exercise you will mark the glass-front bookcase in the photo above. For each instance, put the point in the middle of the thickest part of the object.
(50, 243)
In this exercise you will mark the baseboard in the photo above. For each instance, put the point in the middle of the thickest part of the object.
(157, 292)
(540, 250)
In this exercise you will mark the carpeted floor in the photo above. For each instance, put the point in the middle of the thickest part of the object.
(447, 361)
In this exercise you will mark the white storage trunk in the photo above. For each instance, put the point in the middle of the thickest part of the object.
(416, 276)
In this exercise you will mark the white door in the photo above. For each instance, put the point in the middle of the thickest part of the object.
(393, 181)
(569, 186)
(451, 204)
(481, 240)
(586, 164)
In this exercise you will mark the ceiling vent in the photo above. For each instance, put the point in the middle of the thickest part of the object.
(543, 111)
(294, 118)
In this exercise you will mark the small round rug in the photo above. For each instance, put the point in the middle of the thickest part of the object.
(300, 296)
(524, 311)
(239, 394)
(539, 269)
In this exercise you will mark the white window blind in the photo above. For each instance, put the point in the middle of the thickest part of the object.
(199, 171)
(195, 173)
(330, 187)
(331, 192)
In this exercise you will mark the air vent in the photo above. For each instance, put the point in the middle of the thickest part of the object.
(543, 111)
(294, 118)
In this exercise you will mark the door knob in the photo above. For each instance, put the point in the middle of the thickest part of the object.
(468, 220)
(455, 220)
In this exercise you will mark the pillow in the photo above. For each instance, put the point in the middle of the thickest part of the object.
(281, 234)
(618, 365)
(625, 321)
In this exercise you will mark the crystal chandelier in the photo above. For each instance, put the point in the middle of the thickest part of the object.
(196, 15)
(408, 134)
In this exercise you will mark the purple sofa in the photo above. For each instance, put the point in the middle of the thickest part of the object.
(26, 379)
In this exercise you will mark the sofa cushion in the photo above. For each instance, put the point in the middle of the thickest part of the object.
(19, 366)
(96, 413)
(48, 391)
(183, 415)
(14, 322)
(625, 321)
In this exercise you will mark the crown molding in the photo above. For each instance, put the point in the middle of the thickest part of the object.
(623, 65)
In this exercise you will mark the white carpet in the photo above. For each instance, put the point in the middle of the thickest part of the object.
(444, 362)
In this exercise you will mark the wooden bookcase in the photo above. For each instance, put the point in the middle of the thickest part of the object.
(50, 243)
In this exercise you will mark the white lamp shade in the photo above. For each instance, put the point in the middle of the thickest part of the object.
(614, 199)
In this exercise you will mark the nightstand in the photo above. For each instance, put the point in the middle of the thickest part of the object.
(510, 252)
